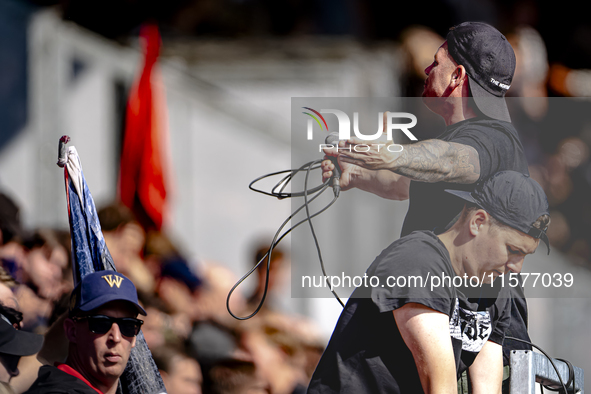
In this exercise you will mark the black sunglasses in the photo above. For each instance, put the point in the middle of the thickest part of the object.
(101, 324)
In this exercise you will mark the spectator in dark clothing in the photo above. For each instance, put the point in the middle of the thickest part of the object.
(466, 85)
(402, 336)
(14, 343)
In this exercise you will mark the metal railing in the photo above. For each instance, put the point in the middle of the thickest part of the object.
(529, 368)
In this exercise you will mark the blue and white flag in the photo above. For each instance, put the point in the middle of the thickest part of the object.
(90, 254)
(88, 244)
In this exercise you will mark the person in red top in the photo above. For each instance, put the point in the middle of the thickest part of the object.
(101, 330)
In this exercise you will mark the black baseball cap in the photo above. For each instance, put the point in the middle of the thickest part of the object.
(100, 287)
(489, 61)
(16, 342)
(513, 199)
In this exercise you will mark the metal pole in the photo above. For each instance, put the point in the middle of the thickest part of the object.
(529, 368)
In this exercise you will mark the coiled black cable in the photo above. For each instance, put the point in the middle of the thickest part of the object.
(281, 194)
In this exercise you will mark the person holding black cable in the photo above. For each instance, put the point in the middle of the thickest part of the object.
(101, 329)
(466, 85)
(432, 308)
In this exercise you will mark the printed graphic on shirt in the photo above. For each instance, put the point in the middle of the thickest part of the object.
(470, 327)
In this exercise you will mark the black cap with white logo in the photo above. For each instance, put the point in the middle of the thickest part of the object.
(489, 61)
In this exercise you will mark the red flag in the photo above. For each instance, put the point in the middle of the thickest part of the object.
(141, 181)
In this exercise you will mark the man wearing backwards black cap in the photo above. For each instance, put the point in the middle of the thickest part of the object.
(101, 328)
(466, 86)
(14, 344)
(415, 331)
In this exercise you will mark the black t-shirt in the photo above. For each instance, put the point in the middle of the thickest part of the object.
(366, 353)
(431, 208)
(499, 149)
(52, 380)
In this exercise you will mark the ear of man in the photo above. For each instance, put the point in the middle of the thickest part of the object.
(458, 77)
(70, 330)
(478, 220)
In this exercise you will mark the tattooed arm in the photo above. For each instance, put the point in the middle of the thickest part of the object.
(437, 161)
(426, 161)
(388, 174)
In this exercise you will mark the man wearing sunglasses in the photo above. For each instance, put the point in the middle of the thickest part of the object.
(101, 330)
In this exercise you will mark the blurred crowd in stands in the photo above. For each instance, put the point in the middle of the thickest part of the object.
(197, 345)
